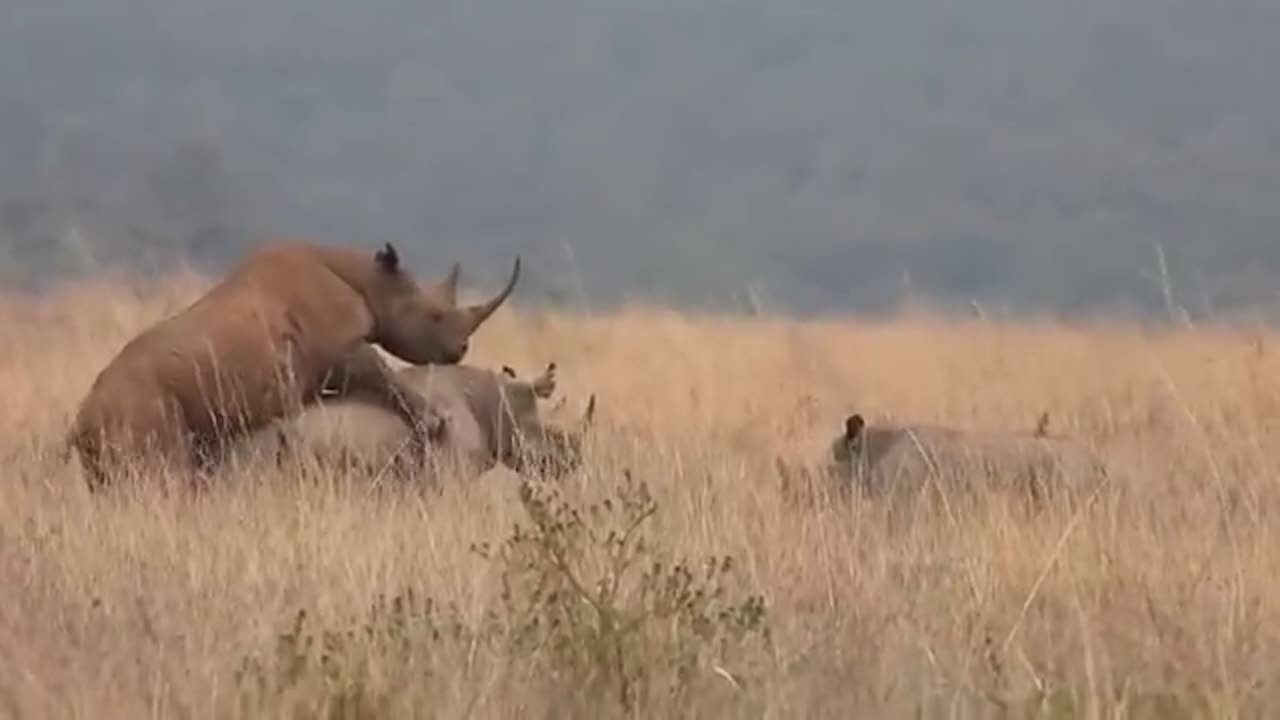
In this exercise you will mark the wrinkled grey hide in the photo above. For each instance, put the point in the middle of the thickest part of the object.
(491, 417)
(902, 460)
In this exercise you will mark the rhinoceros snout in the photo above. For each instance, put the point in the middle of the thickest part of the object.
(453, 357)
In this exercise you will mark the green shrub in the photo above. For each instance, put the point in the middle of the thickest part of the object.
(592, 614)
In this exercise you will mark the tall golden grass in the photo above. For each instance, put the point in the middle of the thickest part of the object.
(1162, 596)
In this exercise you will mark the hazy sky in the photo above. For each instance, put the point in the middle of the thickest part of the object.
(817, 153)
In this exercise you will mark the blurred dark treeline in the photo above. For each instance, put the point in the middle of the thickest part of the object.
(1064, 155)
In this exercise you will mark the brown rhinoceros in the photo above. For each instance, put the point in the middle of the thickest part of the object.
(263, 342)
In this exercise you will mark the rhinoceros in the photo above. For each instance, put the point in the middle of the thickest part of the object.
(901, 459)
(260, 344)
(490, 417)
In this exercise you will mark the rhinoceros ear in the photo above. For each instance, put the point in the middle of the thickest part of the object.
(506, 370)
(544, 386)
(853, 426)
(388, 258)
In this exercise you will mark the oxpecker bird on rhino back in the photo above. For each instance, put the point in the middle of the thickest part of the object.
(262, 343)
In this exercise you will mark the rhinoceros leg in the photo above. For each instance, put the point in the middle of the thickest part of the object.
(362, 371)
(152, 444)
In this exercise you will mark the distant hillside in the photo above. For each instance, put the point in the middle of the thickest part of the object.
(807, 155)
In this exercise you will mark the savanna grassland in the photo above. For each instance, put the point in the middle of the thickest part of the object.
(300, 593)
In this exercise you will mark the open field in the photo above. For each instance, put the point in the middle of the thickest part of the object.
(1159, 599)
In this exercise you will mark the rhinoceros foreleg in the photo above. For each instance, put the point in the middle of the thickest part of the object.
(363, 372)
(153, 443)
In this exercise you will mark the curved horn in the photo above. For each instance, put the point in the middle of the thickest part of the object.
(480, 313)
(590, 413)
(449, 285)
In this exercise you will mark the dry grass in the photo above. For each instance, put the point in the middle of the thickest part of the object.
(1163, 599)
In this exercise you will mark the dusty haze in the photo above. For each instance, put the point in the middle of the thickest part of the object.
(807, 156)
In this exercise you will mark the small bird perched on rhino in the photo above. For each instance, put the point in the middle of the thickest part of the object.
(291, 318)
(891, 459)
(490, 418)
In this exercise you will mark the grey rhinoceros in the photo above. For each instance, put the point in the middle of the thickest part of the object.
(901, 459)
(490, 417)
